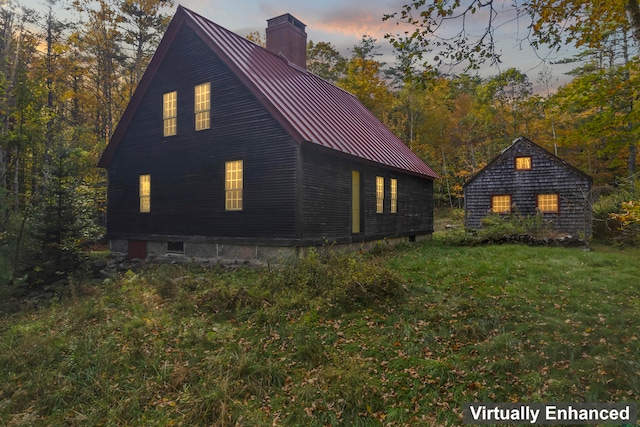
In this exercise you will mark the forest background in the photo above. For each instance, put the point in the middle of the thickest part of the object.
(64, 86)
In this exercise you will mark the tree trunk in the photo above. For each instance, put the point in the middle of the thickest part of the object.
(633, 16)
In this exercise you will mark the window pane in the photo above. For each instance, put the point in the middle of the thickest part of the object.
(501, 204)
(394, 195)
(202, 106)
(523, 163)
(233, 185)
(548, 203)
(170, 113)
(379, 194)
(145, 193)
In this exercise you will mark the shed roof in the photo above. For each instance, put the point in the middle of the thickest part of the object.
(310, 108)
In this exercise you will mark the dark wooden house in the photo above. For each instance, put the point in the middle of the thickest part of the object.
(528, 180)
(229, 150)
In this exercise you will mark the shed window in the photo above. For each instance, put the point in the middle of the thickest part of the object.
(145, 193)
(233, 185)
(202, 106)
(548, 203)
(523, 163)
(501, 204)
(379, 194)
(394, 195)
(170, 113)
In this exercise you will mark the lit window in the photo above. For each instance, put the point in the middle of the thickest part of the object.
(202, 106)
(523, 163)
(501, 204)
(548, 203)
(233, 185)
(145, 193)
(170, 113)
(379, 194)
(394, 195)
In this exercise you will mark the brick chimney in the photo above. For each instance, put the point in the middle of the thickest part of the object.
(286, 36)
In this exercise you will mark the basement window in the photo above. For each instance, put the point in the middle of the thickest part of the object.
(501, 204)
(170, 113)
(379, 194)
(145, 193)
(175, 247)
(233, 185)
(203, 106)
(548, 203)
(523, 163)
(394, 195)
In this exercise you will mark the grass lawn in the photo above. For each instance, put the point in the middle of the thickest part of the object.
(401, 338)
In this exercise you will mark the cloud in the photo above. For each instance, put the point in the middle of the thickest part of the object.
(357, 19)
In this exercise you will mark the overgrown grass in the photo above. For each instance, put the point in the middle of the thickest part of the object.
(403, 338)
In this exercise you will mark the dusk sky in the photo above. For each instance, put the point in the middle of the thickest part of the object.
(343, 23)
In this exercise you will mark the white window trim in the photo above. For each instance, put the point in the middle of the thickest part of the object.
(202, 106)
(170, 113)
(144, 191)
(233, 185)
(379, 194)
(394, 195)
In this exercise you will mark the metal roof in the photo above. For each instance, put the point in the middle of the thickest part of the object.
(310, 108)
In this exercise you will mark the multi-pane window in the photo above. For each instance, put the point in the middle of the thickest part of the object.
(501, 204)
(379, 194)
(170, 113)
(233, 185)
(394, 195)
(203, 106)
(548, 203)
(523, 163)
(145, 193)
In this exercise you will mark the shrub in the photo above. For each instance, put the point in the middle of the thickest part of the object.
(615, 219)
(628, 222)
(345, 279)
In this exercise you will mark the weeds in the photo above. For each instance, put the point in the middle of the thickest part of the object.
(404, 338)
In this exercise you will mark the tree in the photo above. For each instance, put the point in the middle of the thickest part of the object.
(444, 26)
(99, 44)
(324, 60)
(509, 90)
(364, 78)
(257, 37)
(143, 25)
(18, 105)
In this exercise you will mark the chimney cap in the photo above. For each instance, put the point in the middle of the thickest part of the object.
(287, 17)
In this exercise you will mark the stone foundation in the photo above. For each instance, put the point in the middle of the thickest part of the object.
(246, 254)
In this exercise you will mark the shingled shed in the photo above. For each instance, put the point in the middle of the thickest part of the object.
(529, 180)
(228, 150)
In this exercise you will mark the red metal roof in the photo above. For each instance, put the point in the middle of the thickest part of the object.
(310, 108)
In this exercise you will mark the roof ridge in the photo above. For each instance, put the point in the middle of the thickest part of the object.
(310, 108)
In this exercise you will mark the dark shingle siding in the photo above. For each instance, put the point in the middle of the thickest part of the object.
(549, 175)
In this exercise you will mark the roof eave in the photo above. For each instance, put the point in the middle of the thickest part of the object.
(142, 87)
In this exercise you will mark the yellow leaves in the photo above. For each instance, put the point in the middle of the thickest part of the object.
(164, 402)
(630, 213)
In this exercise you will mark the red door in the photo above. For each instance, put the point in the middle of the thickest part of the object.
(137, 249)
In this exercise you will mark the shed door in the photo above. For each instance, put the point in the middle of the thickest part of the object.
(355, 202)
